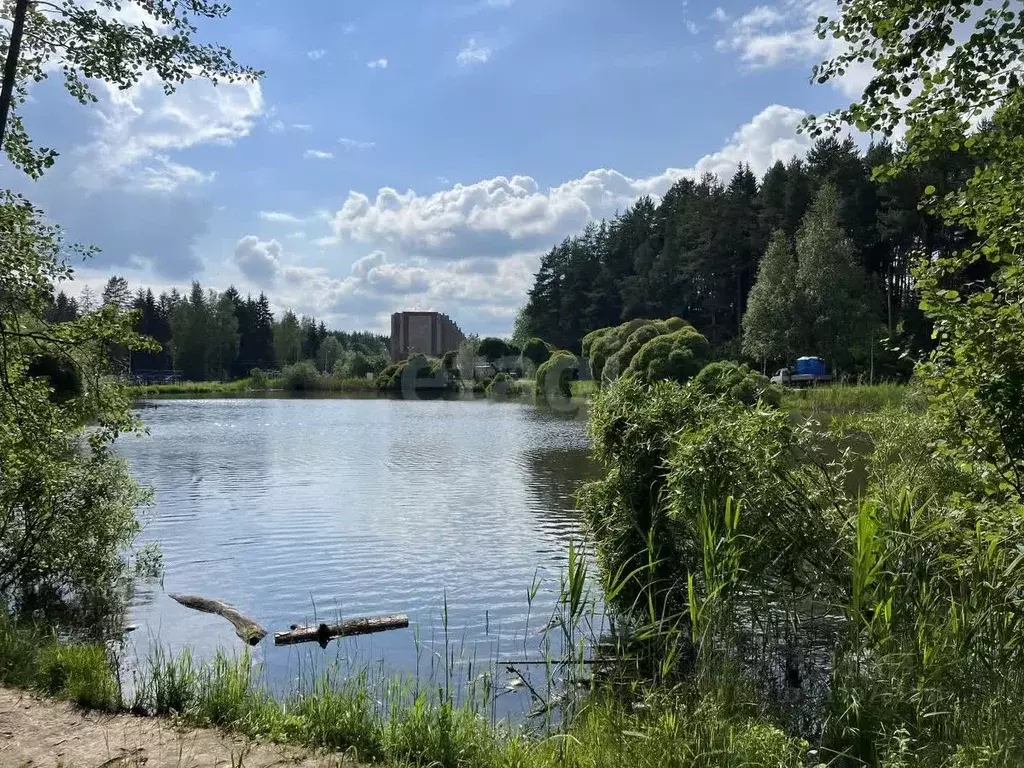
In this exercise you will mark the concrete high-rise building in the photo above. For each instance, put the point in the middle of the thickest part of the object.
(429, 333)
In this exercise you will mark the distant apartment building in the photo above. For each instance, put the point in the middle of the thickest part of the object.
(430, 333)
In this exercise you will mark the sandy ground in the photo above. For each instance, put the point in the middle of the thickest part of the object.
(40, 733)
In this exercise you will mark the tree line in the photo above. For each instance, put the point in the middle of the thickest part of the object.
(204, 335)
(697, 253)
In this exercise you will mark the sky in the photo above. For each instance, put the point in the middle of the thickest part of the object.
(421, 154)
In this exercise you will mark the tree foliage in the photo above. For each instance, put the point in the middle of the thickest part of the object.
(117, 42)
(738, 382)
(696, 253)
(677, 356)
(768, 325)
(67, 502)
(938, 68)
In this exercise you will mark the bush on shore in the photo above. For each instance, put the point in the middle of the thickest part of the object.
(738, 381)
(730, 513)
(504, 386)
(553, 384)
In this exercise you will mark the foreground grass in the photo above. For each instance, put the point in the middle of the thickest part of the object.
(393, 722)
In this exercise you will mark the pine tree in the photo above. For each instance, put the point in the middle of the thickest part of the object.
(222, 349)
(117, 294)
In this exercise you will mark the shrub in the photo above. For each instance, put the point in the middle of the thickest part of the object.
(738, 381)
(356, 365)
(554, 378)
(671, 454)
(301, 377)
(613, 348)
(677, 356)
(493, 349)
(257, 379)
(415, 374)
(503, 385)
(536, 352)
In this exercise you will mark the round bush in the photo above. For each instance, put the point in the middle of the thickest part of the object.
(555, 377)
(738, 381)
(301, 377)
(601, 346)
(536, 352)
(677, 356)
(503, 385)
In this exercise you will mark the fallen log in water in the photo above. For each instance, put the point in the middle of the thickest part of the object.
(245, 628)
(325, 632)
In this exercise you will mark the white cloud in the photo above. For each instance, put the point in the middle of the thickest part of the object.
(377, 64)
(784, 33)
(720, 15)
(500, 3)
(351, 144)
(472, 53)
(281, 217)
(317, 154)
(692, 27)
(258, 260)
(305, 127)
(488, 290)
(496, 216)
(316, 54)
(141, 126)
(348, 29)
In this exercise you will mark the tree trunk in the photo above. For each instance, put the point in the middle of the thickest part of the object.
(325, 632)
(11, 67)
(245, 628)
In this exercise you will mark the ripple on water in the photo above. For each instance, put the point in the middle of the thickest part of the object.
(295, 509)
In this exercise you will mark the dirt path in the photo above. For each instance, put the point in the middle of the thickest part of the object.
(40, 733)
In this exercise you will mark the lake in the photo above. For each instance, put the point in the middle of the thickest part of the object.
(301, 510)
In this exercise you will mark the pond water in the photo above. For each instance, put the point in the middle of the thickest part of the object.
(301, 510)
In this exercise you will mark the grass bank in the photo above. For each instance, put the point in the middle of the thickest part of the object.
(248, 387)
(840, 399)
(392, 721)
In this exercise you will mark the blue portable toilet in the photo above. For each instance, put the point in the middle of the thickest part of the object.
(810, 366)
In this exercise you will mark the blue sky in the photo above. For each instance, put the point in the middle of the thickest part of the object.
(421, 155)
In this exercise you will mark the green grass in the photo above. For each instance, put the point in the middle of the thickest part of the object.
(31, 657)
(243, 386)
(840, 399)
(391, 722)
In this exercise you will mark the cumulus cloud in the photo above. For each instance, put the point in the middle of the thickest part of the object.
(495, 216)
(259, 260)
(316, 54)
(375, 286)
(317, 154)
(473, 53)
(377, 64)
(140, 126)
(123, 184)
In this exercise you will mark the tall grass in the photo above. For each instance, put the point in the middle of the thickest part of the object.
(839, 399)
(33, 657)
(881, 621)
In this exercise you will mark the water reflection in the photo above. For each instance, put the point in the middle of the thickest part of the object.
(300, 510)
